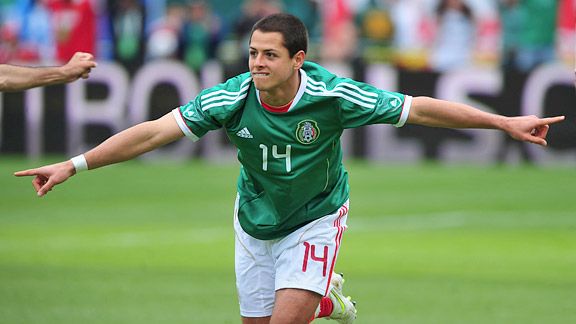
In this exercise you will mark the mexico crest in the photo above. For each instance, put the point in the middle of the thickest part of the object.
(307, 131)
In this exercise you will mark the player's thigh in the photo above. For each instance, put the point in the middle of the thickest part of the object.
(294, 306)
(255, 275)
(306, 258)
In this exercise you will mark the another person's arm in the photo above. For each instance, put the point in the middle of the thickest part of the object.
(123, 146)
(440, 113)
(17, 78)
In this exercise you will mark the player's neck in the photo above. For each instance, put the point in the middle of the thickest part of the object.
(276, 101)
(282, 96)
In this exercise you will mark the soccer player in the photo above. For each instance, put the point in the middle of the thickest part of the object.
(17, 78)
(286, 116)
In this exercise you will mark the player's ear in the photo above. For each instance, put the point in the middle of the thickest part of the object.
(299, 59)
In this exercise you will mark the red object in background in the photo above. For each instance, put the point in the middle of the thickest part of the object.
(11, 50)
(74, 25)
(567, 14)
(335, 13)
(566, 31)
(339, 38)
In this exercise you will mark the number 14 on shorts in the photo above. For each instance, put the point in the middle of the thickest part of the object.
(310, 254)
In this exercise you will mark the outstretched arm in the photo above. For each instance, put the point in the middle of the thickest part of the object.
(123, 146)
(16, 78)
(440, 113)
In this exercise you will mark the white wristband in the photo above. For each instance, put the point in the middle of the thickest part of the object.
(80, 163)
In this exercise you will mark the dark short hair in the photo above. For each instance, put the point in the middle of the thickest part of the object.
(291, 27)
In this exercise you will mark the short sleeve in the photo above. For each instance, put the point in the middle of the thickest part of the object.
(367, 105)
(193, 121)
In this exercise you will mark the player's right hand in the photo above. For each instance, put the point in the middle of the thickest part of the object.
(46, 177)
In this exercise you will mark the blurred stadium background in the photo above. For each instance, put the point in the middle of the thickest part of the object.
(446, 226)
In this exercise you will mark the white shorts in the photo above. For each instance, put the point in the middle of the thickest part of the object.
(304, 259)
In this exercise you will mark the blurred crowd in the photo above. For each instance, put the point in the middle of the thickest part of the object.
(436, 35)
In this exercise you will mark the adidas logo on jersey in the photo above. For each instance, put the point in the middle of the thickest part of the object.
(244, 133)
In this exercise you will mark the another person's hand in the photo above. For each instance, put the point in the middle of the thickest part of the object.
(79, 66)
(46, 177)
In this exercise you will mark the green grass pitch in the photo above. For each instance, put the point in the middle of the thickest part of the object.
(153, 243)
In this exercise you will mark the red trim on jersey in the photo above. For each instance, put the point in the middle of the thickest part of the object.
(281, 109)
(343, 211)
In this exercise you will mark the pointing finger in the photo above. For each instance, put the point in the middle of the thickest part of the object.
(552, 120)
(23, 173)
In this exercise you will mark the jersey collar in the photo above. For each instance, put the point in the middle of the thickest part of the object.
(299, 94)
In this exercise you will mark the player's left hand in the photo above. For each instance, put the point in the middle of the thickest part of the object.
(531, 128)
(46, 177)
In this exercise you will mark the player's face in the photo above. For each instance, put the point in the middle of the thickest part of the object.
(272, 68)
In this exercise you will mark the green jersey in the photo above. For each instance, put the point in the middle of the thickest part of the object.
(292, 171)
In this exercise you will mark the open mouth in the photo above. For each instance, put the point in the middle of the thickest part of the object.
(259, 74)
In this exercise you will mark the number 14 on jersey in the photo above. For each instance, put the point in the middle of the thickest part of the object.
(276, 155)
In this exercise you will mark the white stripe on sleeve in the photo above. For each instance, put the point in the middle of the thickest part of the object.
(182, 124)
(405, 111)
